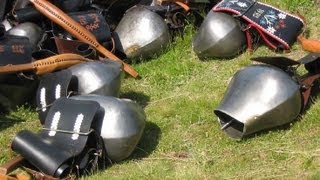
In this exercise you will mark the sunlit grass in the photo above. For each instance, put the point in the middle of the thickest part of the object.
(182, 139)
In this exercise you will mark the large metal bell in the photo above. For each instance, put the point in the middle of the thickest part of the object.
(142, 33)
(219, 36)
(259, 97)
(120, 123)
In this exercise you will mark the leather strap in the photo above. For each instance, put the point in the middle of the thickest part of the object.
(78, 31)
(182, 3)
(11, 165)
(26, 14)
(64, 141)
(14, 50)
(44, 66)
(278, 29)
(74, 46)
(307, 84)
(72, 5)
(14, 177)
(95, 23)
(19, 162)
(38, 175)
(2, 30)
(2, 9)
(66, 46)
(52, 86)
(310, 45)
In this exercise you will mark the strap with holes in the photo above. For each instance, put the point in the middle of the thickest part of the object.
(46, 65)
(78, 31)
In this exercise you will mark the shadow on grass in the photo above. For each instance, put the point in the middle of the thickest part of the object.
(148, 142)
(152, 133)
(139, 97)
(6, 122)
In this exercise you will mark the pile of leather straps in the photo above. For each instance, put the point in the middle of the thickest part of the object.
(69, 56)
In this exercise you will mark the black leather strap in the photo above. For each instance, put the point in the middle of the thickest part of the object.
(52, 87)
(14, 50)
(72, 5)
(92, 21)
(2, 9)
(26, 14)
(61, 145)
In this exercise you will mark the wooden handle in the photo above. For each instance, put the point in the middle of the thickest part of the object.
(74, 28)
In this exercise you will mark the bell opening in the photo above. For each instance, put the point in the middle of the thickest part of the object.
(230, 125)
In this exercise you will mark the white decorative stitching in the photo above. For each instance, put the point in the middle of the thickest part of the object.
(58, 91)
(43, 102)
(77, 126)
(54, 123)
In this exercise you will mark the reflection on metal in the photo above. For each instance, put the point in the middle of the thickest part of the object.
(97, 77)
(6, 24)
(219, 36)
(120, 124)
(258, 97)
(142, 33)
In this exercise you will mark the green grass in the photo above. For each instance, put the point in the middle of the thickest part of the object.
(182, 138)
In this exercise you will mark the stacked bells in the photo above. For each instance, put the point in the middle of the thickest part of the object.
(258, 97)
(120, 122)
(219, 36)
(141, 33)
(97, 77)
(96, 125)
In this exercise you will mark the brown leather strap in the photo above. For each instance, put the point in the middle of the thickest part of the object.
(57, 62)
(66, 46)
(15, 177)
(309, 44)
(16, 162)
(11, 165)
(307, 84)
(38, 175)
(47, 65)
(181, 3)
(78, 31)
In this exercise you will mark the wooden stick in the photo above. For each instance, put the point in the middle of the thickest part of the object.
(74, 28)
